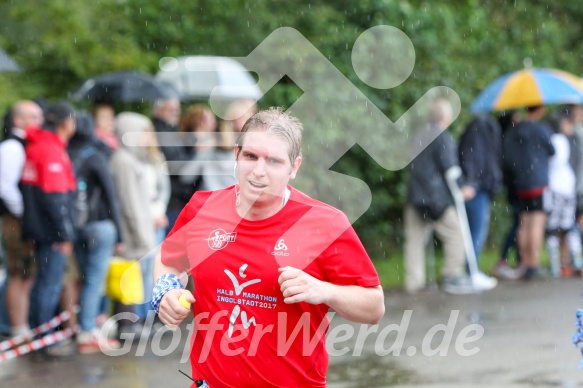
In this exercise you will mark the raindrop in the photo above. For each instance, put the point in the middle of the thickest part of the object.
(474, 317)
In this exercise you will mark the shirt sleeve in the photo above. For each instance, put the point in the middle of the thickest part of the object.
(346, 262)
(174, 247)
(12, 159)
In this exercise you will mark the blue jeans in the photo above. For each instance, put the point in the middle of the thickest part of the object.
(478, 210)
(93, 250)
(4, 317)
(46, 292)
(147, 266)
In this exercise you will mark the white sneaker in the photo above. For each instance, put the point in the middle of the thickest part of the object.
(505, 272)
(483, 282)
(459, 285)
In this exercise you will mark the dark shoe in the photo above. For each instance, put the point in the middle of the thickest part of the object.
(63, 351)
(533, 274)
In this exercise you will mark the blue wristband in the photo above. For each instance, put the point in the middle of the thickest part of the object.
(165, 283)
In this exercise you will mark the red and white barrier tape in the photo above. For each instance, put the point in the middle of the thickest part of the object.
(40, 343)
(56, 321)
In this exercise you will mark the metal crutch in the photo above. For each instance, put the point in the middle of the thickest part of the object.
(451, 176)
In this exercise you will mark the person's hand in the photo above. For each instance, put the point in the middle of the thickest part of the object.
(298, 286)
(468, 192)
(65, 247)
(161, 222)
(171, 312)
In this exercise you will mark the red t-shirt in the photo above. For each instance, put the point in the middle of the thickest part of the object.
(245, 336)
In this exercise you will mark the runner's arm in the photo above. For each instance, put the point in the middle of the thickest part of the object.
(171, 312)
(355, 303)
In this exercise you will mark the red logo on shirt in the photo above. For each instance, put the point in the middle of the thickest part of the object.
(218, 239)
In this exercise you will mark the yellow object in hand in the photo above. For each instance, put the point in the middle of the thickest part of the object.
(183, 302)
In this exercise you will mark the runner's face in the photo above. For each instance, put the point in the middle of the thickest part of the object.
(264, 169)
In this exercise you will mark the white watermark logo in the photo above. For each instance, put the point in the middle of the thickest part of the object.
(383, 340)
(336, 116)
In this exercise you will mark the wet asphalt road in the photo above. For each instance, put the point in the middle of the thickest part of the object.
(525, 342)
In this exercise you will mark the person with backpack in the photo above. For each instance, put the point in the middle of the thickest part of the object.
(97, 221)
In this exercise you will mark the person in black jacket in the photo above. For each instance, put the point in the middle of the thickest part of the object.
(98, 228)
(166, 116)
(480, 155)
(430, 205)
(527, 149)
(503, 269)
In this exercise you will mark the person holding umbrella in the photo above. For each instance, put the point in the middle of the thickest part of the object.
(561, 218)
(527, 149)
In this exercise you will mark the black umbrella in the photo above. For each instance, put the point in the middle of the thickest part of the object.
(126, 86)
(7, 63)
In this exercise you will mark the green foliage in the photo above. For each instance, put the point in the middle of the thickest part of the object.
(463, 45)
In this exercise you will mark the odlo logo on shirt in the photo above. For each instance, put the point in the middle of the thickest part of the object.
(280, 249)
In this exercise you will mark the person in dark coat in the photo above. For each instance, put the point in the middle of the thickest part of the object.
(166, 116)
(527, 149)
(98, 228)
(430, 206)
(480, 156)
(503, 269)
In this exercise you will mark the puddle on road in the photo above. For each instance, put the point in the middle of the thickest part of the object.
(94, 375)
(369, 372)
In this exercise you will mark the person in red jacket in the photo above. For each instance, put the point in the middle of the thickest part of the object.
(48, 188)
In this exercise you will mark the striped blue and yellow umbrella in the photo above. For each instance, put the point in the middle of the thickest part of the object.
(530, 87)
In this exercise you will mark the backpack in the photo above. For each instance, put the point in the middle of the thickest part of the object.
(84, 205)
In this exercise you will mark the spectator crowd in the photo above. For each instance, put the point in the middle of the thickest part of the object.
(79, 188)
